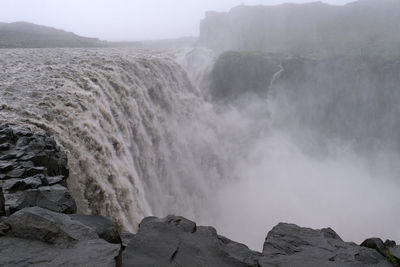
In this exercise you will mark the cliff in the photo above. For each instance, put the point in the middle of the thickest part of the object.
(357, 96)
(313, 28)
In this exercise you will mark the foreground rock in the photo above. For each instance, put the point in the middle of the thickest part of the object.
(33, 172)
(291, 245)
(176, 241)
(387, 249)
(39, 237)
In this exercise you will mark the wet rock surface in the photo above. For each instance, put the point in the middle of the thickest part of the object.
(291, 245)
(33, 171)
(176, 241)
(387, 249)
(39, 237)
(38, 227)
(104, 228)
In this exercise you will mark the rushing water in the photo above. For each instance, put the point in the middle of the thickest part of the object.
(142, 140)
(117, 115)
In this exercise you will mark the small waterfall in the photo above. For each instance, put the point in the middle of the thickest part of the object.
(275, 78)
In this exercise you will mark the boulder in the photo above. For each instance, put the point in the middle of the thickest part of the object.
(47, 226)
(39, 237)
(55, 198)
(375, 243)
(291, 245)
(2, 203)
(14, 185)
(389, 250)
(176, 241)
(390, 243)
(104, 228)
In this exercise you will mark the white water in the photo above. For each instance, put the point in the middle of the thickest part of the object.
(141, 140)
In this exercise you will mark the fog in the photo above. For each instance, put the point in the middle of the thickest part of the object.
(319, 147)
(285, 175)
(123, 20)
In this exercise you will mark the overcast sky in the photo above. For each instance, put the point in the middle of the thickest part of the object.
(124, 19)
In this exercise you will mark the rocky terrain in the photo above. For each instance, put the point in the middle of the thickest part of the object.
(312, 28)
(29, 35)
(38, 226)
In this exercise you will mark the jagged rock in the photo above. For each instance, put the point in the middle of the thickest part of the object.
(375, 243)
(39, 237)
(390, 243)
(55, 198)
(13, 185)
(390, 253)
(176, 241)
(2, 203)
(33, 171)
(56, 180)
(104, 228)
(47, 226)
(126, 237)
(25, 146)
(291, 245)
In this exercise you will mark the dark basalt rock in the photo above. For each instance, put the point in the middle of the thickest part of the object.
(126, 237)
(104, 228)
(47, 226)
(33, 171)
(55, 198)
(375, 243)
(176, 241)
(39, 237)
(387, 249)
(2, 203)
(291, 245)
(390, 243)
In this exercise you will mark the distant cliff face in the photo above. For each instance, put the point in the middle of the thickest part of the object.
(29, 35)
(304, 28)
(352, 97)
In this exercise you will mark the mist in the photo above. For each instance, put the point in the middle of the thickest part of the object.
(123, 20)
(269, 112)
(280, 176)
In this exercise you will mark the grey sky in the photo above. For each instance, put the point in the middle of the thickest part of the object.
(124, 19)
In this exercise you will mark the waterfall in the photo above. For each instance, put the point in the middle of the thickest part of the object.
(120, 116)
(142, 140)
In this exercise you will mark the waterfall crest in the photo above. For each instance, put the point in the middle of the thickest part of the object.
(118, 115)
